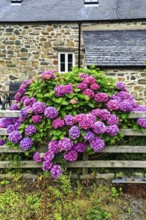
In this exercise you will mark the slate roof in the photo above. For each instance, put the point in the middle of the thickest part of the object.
(71, 10)
(115, 48)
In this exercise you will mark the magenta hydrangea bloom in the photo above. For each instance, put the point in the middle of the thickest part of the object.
(14, 107)
(2, 142)
(89, 80)
(37, 157)
(104, 114)
(99, 127)
(21, 119)
(29, 101)
(26, 111)
(142, 122)
(71, 155)
(94, 86)
(97, 144)
(83, 75)
(15, 137)
(65, 145)
(48, 156)
(47, 165)
(26, 143)
(78, 118)
(125, 95)
(36, 119)
(50, 112)
(69, 120)
(39, 107)
(61, 90)
(96, 112)
(58, 123)
(89, 136)
(23, 98)
(113, 119)
(87, 121)
(17, 97)
(30, 130)
(89, 93)
(112, 130)
(101, 97)
(113, 105)
(48, 75)
(126, 106)
(53, 146)
(74, 132)
(79, 147)
(121, 86)
(82, 86)
(56, 171)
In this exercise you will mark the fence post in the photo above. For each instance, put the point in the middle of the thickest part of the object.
(85, 157)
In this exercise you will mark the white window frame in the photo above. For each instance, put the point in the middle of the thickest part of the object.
(66, 61)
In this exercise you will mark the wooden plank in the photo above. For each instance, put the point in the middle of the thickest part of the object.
(9, 114)
(3, 131)
(124, 149)
(85, 158)
(107, 164)
(130, 132)
(6, 149)
(22, 164)
(137, 114)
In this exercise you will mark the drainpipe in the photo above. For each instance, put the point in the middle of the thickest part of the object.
(79, 45)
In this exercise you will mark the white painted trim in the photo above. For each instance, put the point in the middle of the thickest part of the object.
(66, 61)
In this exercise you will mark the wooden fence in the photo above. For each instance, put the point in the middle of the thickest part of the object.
(85, 163)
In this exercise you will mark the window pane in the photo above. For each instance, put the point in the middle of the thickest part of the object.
(62, 58)
(70, 59)
(69, 66)
(62, 67)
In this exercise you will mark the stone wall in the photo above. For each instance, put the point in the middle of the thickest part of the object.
(27, 50)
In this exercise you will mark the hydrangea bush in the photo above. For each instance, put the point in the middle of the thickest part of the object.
(71, 113)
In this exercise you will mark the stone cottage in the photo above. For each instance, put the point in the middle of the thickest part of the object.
(58, 34)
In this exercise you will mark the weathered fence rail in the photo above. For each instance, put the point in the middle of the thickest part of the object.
(85, 163)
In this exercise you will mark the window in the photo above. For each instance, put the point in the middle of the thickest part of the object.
(65, 62)
(91, 2)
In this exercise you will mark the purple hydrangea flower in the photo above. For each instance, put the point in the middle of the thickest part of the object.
(113, 105)
(125, 95)
(104, 114)
(74, 132)
(14, 107)
(16, 126)
(101, 97)
(36, 119)
(71, 155)
(48, 75)
(85, 121)
(113, 119)
(21, 119)
(96, 112)
(89, 93)
(23, 98)
(47, 165)
(97, 144)
(83, 75)
(29, 101)
(39, 107)
(24, 112)
(69, 120)
(61, 90)
(58, 123)
(94, 86)
(37, 157)
(26, 143)
(53, 146)
(65, 144)
(5, 122)
(30, 130)
(17, 97)
(112, 130)
(10, 128)
(82, 86)
(80, 147)
(50, 112)
(49, 156)
(56, 171)
(142, 122)
(126, 106)
(89, 80)
(15, 137)
(121, 86)
(89, 136)
(2, 142)
(99, 127)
